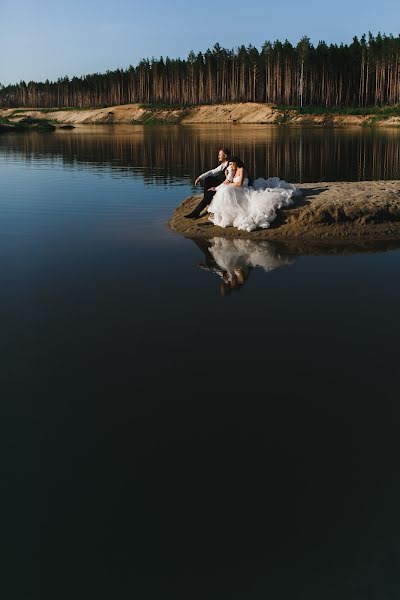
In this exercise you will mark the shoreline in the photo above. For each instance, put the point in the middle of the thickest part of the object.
(246, 113)
(327, 213)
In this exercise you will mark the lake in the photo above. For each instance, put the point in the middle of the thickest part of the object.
(165, 430)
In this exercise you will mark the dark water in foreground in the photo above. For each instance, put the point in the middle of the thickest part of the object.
(165, 432)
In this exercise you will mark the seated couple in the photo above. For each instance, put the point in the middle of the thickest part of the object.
(234, 259)
(232, 201)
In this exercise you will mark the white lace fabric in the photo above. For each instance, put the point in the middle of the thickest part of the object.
(251, 207)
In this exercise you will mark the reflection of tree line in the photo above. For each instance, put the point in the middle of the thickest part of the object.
(182, 152)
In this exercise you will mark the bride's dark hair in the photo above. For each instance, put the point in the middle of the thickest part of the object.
(237, 160)
(241, 164)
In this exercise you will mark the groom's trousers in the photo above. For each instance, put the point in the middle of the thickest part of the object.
(208, 195)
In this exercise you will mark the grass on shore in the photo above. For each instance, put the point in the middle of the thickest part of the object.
(151, 119)
(382, 111)
(168, 106)
(21, 125)
(378, 111)
(56, 109)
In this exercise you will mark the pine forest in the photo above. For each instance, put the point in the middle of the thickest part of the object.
(361, 74)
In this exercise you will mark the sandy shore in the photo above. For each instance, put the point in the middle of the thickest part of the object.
(245, 113)
(327, 211)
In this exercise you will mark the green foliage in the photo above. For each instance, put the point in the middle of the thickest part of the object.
(151, 118)
(354, 78)
(380, 112)
(39, 121)
(45, 126)
(28, 123)
(55, 109)
(283, 119)
(165, 106)
(389, 111)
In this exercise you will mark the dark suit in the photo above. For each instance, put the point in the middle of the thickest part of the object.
(210, 181)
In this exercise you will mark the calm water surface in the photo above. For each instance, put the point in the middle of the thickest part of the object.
(164, 431)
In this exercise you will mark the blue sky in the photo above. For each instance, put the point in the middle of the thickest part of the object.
(43, 39)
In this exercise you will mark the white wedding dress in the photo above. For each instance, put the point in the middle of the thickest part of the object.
(249, 207)
(231, 254)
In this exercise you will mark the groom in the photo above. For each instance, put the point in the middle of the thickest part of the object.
(210, 179)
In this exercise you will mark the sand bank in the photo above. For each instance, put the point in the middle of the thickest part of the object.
(245, 113)
(326, 211)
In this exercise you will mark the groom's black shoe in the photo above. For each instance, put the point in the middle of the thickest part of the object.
(192, 215)
(195, 214)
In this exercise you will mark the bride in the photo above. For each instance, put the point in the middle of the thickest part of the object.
(248, 207)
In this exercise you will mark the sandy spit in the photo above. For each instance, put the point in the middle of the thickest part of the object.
(242, 113)
(328, 212)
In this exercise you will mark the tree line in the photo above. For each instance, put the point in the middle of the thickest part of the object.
(363, 73)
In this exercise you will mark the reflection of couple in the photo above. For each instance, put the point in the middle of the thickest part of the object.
(232, 201)
(233, 260)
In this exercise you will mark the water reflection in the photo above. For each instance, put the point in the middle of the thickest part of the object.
(299, 479)
(166, 154)
(233, 260)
